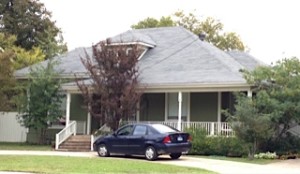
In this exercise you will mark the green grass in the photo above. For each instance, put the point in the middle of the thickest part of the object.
(57, 165)
(235, 159)
(24, 146)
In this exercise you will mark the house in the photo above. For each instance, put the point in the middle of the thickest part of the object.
(180, 72)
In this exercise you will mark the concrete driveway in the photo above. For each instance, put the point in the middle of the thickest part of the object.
(229, 167)
(220, 166)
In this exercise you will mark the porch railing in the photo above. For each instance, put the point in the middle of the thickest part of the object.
(65, 133)
(211, 128)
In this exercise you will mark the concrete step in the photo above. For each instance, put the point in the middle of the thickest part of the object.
(76, 143)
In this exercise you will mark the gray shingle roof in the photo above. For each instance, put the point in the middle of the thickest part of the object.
(246, 60)
(178, 58)
(70, 63)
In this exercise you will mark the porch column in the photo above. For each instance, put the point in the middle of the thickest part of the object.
(68, 109)
(88, 126)
(179, 110)
(219, 106)
(249, 93)
(138, 112)
(219, 111)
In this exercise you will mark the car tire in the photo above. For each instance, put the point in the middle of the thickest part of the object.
(175, 155)
(150, 153)
(102, 150)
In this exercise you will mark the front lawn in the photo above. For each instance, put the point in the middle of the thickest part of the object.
(24, 146)
(56, 165)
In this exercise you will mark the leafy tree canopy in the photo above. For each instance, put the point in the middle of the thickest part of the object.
(12, 58)
(279, 86)
(212, 28)
(30, 22)
(274, 109)
(18, 56)
(113, 75)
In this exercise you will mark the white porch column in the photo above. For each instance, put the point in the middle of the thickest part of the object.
(249, 93)
(88, 126)
(68, 102)
(179, 110)
(219, 111)
(219, 106)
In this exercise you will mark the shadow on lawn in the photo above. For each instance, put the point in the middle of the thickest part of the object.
(137, 157)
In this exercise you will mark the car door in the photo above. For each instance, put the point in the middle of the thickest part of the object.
(136, 141)
(119, 140)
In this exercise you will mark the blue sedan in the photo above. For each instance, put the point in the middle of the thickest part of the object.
(150, 140)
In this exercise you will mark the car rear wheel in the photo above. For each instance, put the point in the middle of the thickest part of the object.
(175, 155)
(102, 150)
(150, 153)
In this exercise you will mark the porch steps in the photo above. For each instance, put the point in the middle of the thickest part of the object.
(77, 143)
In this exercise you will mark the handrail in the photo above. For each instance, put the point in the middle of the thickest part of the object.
(65, 133)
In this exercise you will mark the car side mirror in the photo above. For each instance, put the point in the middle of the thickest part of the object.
(114, 134)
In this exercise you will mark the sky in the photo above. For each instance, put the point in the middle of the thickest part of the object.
(269, 28)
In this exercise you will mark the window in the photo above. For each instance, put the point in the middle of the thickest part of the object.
(140, 130)
(173, 106)
(125, 130)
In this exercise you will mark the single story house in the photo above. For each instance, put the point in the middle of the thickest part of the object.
(180, 71)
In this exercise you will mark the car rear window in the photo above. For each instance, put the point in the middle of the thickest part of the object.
(163, 128)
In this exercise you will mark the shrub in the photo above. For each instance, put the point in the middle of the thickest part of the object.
(215, 145)
(267, 155)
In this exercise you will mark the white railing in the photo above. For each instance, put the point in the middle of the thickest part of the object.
(65, 133)
(212, 128)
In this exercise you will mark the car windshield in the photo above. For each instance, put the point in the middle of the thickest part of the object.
(163, 128)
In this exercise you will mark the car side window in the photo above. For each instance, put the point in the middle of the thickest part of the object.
(140, 130)
(125, 131)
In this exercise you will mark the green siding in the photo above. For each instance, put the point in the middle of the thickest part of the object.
(153, 107)
(204, 107)
(78, 110)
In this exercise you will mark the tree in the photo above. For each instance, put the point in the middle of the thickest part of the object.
(12, 58)
(280, 86)
(18, 56)
(273, 110)
(152, 23)
(249, 124)
(41, 105)
(30, 22)
(7, 82)
(111, 94)
(213, 29)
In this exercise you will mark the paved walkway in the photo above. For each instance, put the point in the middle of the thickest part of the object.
(220, 166)
(230, 167)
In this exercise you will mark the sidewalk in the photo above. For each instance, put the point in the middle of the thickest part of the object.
(220, 166)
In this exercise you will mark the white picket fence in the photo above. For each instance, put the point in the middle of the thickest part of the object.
(10, 129)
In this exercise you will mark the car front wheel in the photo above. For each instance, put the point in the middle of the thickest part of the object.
(102, 150)
(150, 153)
(175, 155)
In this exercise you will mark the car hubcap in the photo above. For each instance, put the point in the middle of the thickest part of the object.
(102, 150)
(149, 153)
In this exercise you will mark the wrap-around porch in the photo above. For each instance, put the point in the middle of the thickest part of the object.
(177, 109)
